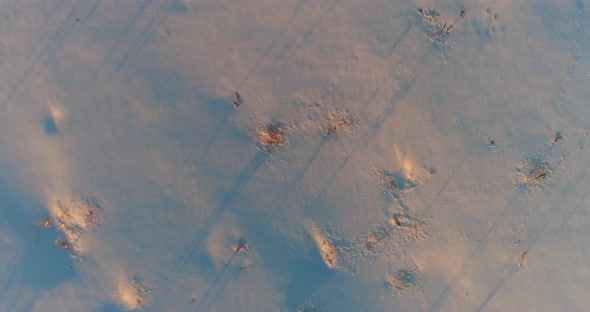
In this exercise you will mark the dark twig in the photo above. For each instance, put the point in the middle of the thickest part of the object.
(237, 99)
(446, 27)
(522, 259)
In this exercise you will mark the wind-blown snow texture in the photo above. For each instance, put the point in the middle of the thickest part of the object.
(294, 155)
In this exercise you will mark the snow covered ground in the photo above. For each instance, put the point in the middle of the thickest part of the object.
(384, 155)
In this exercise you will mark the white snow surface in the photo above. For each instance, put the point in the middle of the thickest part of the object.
(380, 159)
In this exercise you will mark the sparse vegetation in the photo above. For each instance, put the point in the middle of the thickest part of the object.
(339, 123)
(342, 119)
(376, 237)
(440, 29)
(534, 171)
(400, 220)
(72, 218)
(395, 183)
(402, 279)
(536, 174)
(132, 294)
(241, 245)
(272, 135)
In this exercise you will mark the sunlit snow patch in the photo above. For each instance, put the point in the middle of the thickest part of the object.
(73, 218)
(325, 245)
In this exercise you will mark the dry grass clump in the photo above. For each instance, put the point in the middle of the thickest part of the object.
(402, 279)
(534, 171)
(272, 135)
(63, 244)
(345, 122)
(439, 29)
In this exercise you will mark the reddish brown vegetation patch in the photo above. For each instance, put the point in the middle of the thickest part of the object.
(272, 135)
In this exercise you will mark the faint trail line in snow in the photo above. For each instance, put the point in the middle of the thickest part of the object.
(398, 96)
(263, 227)
(240, 181)
(82, 21)
(69, 19)
(402, 37)
(472, 256)
(567, 218)
(509, 267)
(218, 290)
(505, 272)
(144, 36)
(42, 34)
(306, 36)
(221, 125)
(577, 54)
(118, 42)
(292, 185)
(9, 274)
(325, 139)
(295, 182)
(475, 252)
(199, 241)
(72, 19)
(57, 40)
(329, 6)
(276, 38)
(458, 168)
(217, 214)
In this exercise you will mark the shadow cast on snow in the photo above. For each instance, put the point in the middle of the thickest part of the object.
(39, 264)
